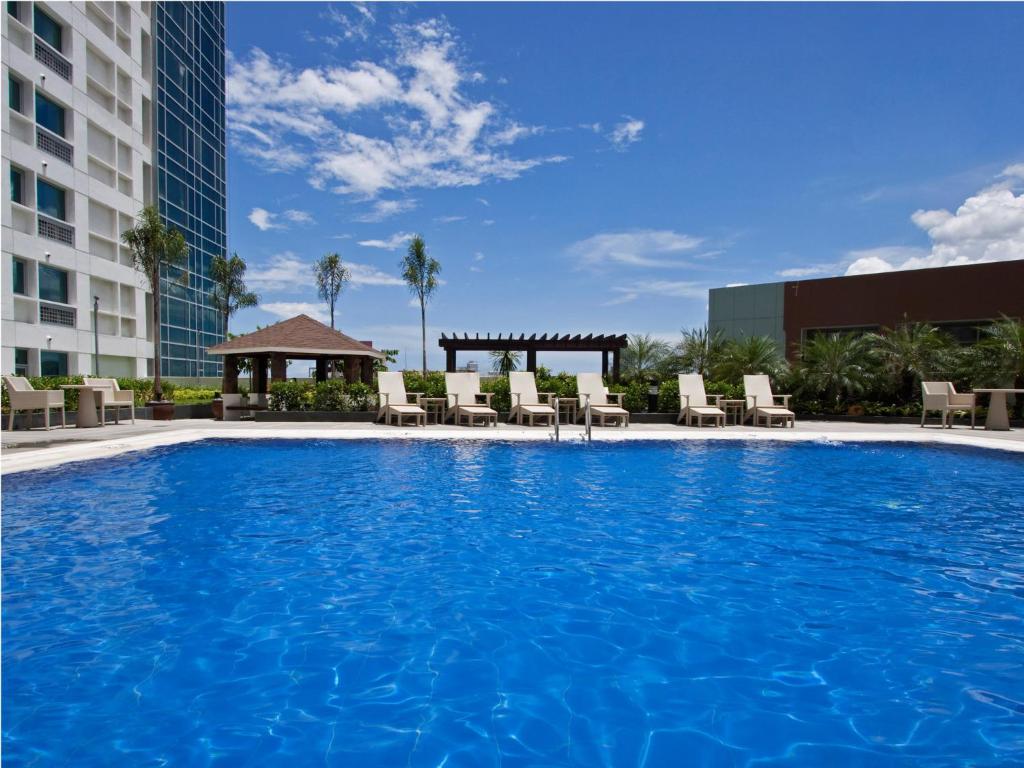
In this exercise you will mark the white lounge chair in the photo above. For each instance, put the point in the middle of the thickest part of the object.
(463, 392)
(394, 400)
(693, 401)
(761, 402)
(942, 396)
(24, 398)
(590, 386)
(112, 396)
(526, 400)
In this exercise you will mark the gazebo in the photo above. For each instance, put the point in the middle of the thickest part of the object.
(300, 338)
(604, 343)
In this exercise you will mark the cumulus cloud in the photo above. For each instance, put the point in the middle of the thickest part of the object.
(639, 248)
(392, 243)
(385, 209)
(420, 127)
(288, 273)
(366, 274)
(625, 133)
(288, 309)
(675, 289)
(810, 271)
(264, 220)
(987, 226)
(449, 219)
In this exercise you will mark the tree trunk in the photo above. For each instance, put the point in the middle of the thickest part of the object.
(423, 328)
(224, 366)
(158, 392)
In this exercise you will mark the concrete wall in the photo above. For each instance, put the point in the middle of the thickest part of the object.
(748, 310)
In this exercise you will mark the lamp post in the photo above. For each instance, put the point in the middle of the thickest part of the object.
(96, 335)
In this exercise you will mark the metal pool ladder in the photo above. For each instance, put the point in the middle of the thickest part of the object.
(586, 420)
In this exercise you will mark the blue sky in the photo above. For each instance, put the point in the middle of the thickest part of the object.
(596, 168)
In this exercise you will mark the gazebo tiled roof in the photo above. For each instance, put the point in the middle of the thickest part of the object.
(300, 335)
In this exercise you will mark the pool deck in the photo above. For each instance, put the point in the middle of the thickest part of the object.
(38, 449)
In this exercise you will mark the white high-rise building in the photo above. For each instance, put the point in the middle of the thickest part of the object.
(78, 148)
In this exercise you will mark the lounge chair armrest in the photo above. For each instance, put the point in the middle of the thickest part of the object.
(684, 401)
(416, 395)
(518, 397)
(717, 399)
(967, 400)
(486, 396)
(785, 399)
(124, 396)
(617, 396)
(386, 399)
(546, 397)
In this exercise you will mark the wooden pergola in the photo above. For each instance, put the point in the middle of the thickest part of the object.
(300, 338)
(531, 345)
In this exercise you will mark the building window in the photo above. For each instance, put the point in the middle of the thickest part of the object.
(50, 115)
(48, 29)
(13, 92)
(19, 276)
(20, 362)
(51, 200)
(53, 284)
(17, 185)
(53, 363)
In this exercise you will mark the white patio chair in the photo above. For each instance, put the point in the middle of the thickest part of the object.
(693, 401)
(394, 400)
(761, 402)
(112, 396)
(526, 400)
(24, 398)
(942, 396)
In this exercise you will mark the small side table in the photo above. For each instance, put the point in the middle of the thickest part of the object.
(733, 408)
(435, 408)
(567, 410)
(87, 405)
(997, 418)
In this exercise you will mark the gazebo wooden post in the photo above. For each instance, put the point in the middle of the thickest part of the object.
(531, 360)
(604, 363)
(352, 369)
(367, 369)
(259, 375)
(278, 367)
(321, 369)
(230, 383)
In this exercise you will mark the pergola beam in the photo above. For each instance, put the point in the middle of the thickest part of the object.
(604, 343)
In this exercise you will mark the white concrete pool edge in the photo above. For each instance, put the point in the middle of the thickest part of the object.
(65, 453)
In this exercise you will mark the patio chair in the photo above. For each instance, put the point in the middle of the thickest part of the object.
(394, 400)
(463, 392)
(24, 398)
(942, 396)
(526, 401)
(693, 401)
(761, 402)
(110, 395)
(591, 389)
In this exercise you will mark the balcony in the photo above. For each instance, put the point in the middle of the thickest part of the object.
(56, 230)
(57, 314)
(50, 57)
(52, 144)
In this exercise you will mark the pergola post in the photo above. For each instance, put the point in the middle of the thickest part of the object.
(531, 360)
(278, 367)
(321, 369)
(615, 366)
(450, 360)
(604, 363)
(230, 383)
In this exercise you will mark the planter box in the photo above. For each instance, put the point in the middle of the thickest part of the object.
(314, 416)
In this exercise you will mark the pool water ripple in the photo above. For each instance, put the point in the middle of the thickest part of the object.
(474, 604)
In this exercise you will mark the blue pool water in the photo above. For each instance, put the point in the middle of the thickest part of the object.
(472, 604)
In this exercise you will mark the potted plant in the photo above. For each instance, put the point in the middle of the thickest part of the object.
(217, 406)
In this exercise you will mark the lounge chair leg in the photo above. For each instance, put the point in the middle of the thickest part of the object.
(46, 418)
(10, 422)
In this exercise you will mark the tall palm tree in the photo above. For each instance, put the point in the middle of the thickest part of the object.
(642, 355)
(230, 292)
(420, 273)
(156, 250)
(504, 361)
(700, 349)
(838, 364)
(1002, 351)
(749, 355)
(911, 353)
(331, 276)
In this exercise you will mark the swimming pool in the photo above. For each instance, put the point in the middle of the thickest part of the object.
(464, 603)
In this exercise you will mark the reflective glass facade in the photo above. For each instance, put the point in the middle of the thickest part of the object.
(191, 171)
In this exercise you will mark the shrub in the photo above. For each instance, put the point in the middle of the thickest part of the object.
(431, 386)
(191, 395)
(668, 396)
(499, 387)
(290, 396)
(562, 384)
(329, 396)
(361, 397)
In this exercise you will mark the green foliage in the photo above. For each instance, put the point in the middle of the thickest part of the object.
(746, 356)
(910, 354)
(562, 384)
(700, 350)
(504, 361)
(420, 272)
(1001, 353)
(329, 396)
(668, 396)
(230, 292)
(361, 397)
(290, 396)
(839, 365)
(143, 389)
(636, 398)
(187, 395)
(331, 275)
(431, 385)
(499, 386)
(332, 395)
(643, 355)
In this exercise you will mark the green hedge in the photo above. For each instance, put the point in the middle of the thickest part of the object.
(143, 389)
(334, 395)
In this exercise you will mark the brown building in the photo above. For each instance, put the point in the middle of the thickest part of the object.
(957, 299)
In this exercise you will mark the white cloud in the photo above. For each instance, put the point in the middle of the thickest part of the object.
(639, 248)
(392, 243)
(809, 271)
(478, 256)
(366, 274)
(988, 226)
(385, 209)
(263, 219)
(450, 219)
(283, 272)
(288, 309)
(625, 133)
(434, 134)
(483, 201)
(675, 289)
(488, 222)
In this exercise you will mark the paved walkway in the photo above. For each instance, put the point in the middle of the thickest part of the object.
(38, 449)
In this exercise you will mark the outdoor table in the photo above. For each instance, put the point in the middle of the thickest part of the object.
(434, 406)
(997, 418)
(567, 408)
(734, 407)
(88, 402)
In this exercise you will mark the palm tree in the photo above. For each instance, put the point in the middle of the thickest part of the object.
(155, 250)
(749, 355)
(642, 355)
(230, 293)
(504, 361)
(911, 353)
(838, 364)
(420, 272)
(700, 349)
(1002, 351)
(331, 275)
